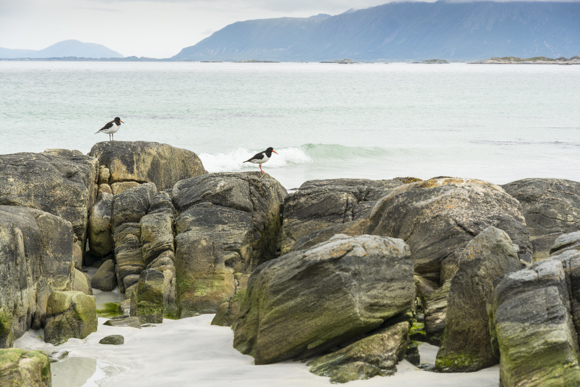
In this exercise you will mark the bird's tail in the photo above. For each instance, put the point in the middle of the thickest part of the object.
(247, 161)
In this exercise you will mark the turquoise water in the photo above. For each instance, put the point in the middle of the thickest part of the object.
(494, 122)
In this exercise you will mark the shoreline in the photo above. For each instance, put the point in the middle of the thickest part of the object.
(177, 352)
(575, 60)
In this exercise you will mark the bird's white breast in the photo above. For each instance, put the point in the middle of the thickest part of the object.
(112, 129)
(261, 161)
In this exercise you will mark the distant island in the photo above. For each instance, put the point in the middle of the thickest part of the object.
(575, 60)
(70, 49)
(434, 61)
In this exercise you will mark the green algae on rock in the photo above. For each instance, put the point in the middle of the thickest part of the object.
(70, 314)
(374, 355)
(22, 368)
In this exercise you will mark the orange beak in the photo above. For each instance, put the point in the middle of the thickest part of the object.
(275, 152)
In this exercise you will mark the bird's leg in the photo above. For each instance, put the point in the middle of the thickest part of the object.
(261, 168)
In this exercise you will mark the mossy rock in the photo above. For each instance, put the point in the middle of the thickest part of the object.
(69, 315)
(374, 355)
(309, 301)
(19, 367)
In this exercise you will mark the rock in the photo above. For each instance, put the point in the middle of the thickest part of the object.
(308, 301)
(133, 204)
(228, 223)
(100, 234)
(438, 217)
(466, 343)
(128, 253)
(105, 188)
(229, 311)
(162, 203)
(354, 228)
(128, 209)
(551, 208)
(82, 282)
(105, 278)
(123, 186)
(259, 197)
(531, 325)
(566, 242)
(320, 209)
(104, 175)
(143, 162)
(63, 184)
(164, 262)
(36, 250)
(131, 280)
(77, 255)
(424, 288)
(113, 340)
(19, 367)
(203, 281)
(374, 355)
(231, 229)
(156, 235)
(124, 321)
(435, 311)
(69, 315)
(147, 300)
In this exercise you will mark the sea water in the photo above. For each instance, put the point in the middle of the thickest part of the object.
(498, 123)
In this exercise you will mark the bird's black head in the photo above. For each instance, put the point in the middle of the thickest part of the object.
(269, 151)
(117, 120)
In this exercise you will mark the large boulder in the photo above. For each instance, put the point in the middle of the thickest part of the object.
(466, 344)
(551, 208)
(141, 162)
(227, 223)
(532, 325)
(309, 301)
(320, 209)
(60, 183)
(36, 259)
(19, 367)
(70, 315)
(259, 196)
(438, 217)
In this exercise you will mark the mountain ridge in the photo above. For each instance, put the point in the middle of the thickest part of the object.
(403, 31)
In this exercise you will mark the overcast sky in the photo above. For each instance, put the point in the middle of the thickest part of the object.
(152, 28)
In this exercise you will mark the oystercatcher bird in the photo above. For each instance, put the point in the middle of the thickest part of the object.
(111, 127)
(261, 158)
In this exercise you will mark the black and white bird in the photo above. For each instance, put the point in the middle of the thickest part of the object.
(111, 127)
(261, 158)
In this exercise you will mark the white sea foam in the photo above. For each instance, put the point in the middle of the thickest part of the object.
(234, 161)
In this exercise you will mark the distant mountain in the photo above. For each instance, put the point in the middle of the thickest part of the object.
(403, 31)
(67, 48)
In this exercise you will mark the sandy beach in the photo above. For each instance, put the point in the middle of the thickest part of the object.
(191, 351)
